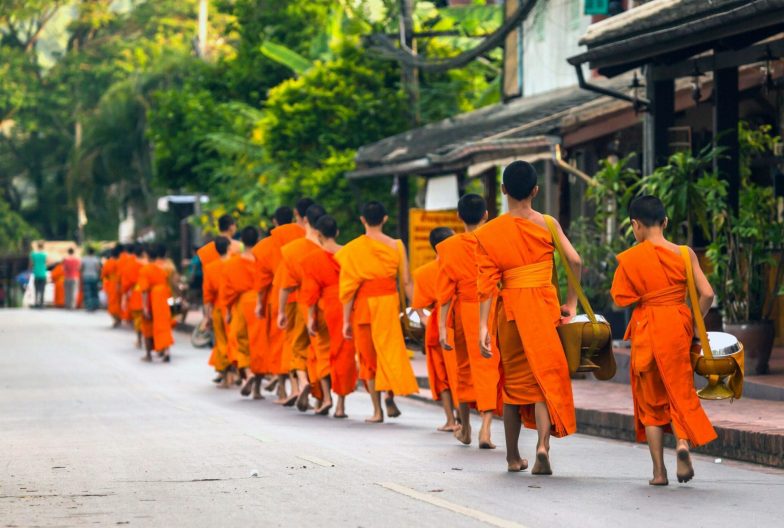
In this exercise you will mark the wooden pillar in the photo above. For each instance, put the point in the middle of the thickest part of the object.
(491, 191)
(402, 209)
(657, 121)
(725, 130)
(564, 200)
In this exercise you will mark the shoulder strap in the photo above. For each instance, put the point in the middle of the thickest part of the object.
(568, 269)
(695, 304)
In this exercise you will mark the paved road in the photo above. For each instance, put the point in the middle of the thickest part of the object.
(89, 435)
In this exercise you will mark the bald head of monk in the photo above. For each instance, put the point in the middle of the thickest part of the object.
(222, 245)
(301, 209)
(438, 235)
(374, 214)
(327, 228)
(648, 217)
(520, 181)
(227, 226)
(283, 215)
(249, 236)
(116, 250)
(472, 210)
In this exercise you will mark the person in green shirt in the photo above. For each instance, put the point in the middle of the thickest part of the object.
(38, 266)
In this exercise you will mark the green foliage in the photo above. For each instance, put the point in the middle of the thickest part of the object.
(15, 232)
(747, 247)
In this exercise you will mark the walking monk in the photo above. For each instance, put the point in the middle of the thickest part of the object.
(241, 292)
(516, 250)
(457, 294)
(310, 356)
(131, 291)
(111, 286)
(58, 280)
(276, 358)
(227, 226)
(441, 369)
(213, 293)
(155, 279)
(319, 292)
(652, 274)
(370, 266)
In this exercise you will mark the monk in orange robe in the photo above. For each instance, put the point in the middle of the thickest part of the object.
(215, 311)
(442, 370)
(478, 376)
(276, 356)
(155, 280)
(242, 284)
(111, 286)
(125, 260)
(370, 266)
(227, 227)
(310, 354)
(58, 279)
(319, 292)
(652, 275)
(131, 291)
(516, 250)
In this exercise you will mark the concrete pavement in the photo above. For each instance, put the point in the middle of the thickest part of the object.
(90, 435)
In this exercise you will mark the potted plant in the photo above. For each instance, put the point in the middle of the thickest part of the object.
(746, 252)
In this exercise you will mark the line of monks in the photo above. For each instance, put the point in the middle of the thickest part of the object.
(312, 317)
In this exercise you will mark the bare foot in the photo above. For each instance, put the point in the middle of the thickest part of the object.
(660, 479)
(463, 434)
(247, 386)
(323, 409)
(392, 410)
(302, 399)
(147, 358)
(685, 471)
(272, 385)
(484, 439)
(542, 464)
(448, 428)
(376, 418)
(290, 401)
(517, 466)
(340, 415)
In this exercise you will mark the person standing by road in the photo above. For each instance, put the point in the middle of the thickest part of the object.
(38, 267)
(91, 274)
(71, 265)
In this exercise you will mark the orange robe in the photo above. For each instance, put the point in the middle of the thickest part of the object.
(154, 280)
(478, 381)
(110, 286)
(241, 292)
(308, 353)
(368, 275)
(124, 262)
(320, 287)
(519, 254)
(212, 289)
(208, 254)
(661, 332)
(58, 279)
(275, 354)
(441, 368)
(129, 286)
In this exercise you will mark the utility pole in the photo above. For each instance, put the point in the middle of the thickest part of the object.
(410, 82)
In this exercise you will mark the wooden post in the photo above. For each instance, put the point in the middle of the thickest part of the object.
(725, 130)
(564, 200)
(657, 121)
(491, 191)
(402, 209)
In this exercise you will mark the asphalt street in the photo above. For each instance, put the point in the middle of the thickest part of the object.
(90, 435)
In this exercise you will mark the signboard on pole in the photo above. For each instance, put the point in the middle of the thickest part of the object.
(421, 222)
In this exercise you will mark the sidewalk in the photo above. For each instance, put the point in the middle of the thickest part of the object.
(751, 430)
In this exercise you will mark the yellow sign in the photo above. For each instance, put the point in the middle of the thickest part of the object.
(421, 223)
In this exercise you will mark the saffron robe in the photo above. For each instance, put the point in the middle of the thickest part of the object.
(276, 356)
(129, 287)
(368, 273)
(208, 254)
(442, 369)
(213, 293)
(123, 264)
(241, 293)
(321, 275)
(518, 253)
(478, 377)
(111, 287)
(58, 279)
(309, 353)
(154, 280)
(661, 331)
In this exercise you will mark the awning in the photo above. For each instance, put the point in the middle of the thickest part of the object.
(668, 31)
(526, 127)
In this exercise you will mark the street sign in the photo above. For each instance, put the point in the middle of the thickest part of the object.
(420, 223)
